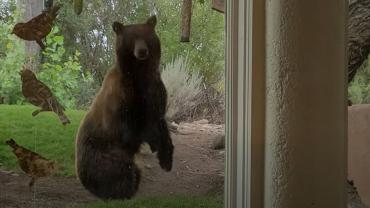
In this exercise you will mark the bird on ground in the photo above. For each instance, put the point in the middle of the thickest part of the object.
(38, 27)
(39, 94)
(33, 164)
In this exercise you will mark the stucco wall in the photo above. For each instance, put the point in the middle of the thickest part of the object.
(359, 149)
(305, 112)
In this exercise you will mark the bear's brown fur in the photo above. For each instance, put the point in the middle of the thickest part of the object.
(128, 110)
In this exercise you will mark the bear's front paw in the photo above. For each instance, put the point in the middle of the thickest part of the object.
(165, 159)
(166, 164)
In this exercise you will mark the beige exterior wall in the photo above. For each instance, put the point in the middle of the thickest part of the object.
(286, 129)
(359, 149)
(306, 123)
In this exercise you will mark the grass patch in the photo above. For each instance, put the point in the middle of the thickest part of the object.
(43, 134)
(162, 202)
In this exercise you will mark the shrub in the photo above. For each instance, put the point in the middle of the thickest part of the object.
(359, 88)
(73, 87)
(183, 89)
(12, 54)
(212, 107)
(64, 75)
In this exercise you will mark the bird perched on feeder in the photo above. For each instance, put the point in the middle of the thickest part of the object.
(38, 27)
(38, 94)
(33, 164)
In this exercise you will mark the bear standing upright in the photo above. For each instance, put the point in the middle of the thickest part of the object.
(128, 110)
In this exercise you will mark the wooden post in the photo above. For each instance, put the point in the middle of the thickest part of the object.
(186, 20)
(218, 5)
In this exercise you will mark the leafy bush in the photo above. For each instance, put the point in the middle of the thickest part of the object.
(183, 89)
(212, 106)
(12, 54)
(359, 88)
(63, 74)
(206, 47)
(92, 34)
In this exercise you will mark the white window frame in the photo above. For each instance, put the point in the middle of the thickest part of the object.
(245, 59)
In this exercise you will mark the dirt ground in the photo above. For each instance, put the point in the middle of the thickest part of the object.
(197, 170)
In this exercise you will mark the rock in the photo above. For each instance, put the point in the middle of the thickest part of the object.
(203, 121)
(7, 172)
(173, 127)
(148, 166)
(218, 142)
(174, 124)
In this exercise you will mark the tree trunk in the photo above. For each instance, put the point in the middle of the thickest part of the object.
(218, 5)
(358, 35)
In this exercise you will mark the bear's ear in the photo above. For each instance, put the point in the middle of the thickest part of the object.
(152, 21)
(117, 27)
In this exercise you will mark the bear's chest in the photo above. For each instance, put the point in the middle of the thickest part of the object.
(140, 100)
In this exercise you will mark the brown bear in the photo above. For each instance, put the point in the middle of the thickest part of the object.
(128, 110)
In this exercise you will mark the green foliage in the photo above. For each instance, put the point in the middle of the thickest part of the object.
(63, 74)
(163, 202)
(91, 32)
(12, 53)
(206, 46)
(359, 88)
(44, 134)
(73, 75)
(6, 10)
(183, 88)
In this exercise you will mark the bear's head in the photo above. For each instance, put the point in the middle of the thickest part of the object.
(137, 42)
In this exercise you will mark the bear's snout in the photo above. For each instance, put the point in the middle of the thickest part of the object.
(141, 51)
